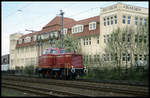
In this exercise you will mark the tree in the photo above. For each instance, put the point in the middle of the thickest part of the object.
(114, 47)
(124, 44)
(71, 44)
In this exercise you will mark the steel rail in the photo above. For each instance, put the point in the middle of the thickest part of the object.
(38, 90)
(93, 87)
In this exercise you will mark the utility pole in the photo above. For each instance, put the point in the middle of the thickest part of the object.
(62, 28)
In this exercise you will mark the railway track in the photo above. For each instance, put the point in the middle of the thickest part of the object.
(96, 81)
(39, 91)
(121, 89)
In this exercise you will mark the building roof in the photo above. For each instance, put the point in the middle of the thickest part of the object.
(83, 21)
(54, 25)
(56, 21)
(86, 21)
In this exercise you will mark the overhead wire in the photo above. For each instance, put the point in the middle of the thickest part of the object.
(77, 14)
(71, 15)
(82, 12)
(68, 6)
(18, 10)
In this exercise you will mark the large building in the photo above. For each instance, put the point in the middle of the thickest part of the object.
(12, 48)
(122, 16)
(90, 32)
(119, 15)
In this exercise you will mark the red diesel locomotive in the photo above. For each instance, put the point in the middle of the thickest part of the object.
(55, 62)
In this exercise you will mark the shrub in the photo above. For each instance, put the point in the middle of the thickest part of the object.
(29, 70)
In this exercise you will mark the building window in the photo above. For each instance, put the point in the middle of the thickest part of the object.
(27, 39)
(20, 41)
(104, 57)
(92, 25)
(141, 20)
(42, 36)
(128, 57)
(104, 39)
(90, 58)
(129, 37)
(136, 38)
(107, 57)
(135, 57)
(129, 19)
(55, 34)
(124, 19)
(86, 41)
(45, 35)
(145, 58)
(115, 36)
(140, 57)
(65, 31)
(111, 20)
(140, 39)
(145, 21)
(77, 29)
(111, 37)
(116, 56)
(107, 21)
(123, 57)
(145, 39)
(90, 41)
(34, 37)
(123, 37)
(104, 22)
(115, 19)
(98, 40)
(108, 38)
(136, 20)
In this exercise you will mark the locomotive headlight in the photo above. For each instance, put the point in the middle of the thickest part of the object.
(85, 69)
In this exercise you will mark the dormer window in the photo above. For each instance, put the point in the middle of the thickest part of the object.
(55, 34)
(92, 25)
(42, 36)
(77, 29)
(45, 35)
(20, 41)
(27, 39)
(34, 37)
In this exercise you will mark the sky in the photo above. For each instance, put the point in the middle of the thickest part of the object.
(18, 16)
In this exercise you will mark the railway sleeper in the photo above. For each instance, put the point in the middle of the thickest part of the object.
(41, 91)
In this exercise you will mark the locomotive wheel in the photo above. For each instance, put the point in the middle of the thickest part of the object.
(56, 75)
(63, 74)
(48, 74)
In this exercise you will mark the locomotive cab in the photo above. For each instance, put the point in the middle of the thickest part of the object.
(55, 62)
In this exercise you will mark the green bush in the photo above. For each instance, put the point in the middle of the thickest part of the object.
(117, 74)
(29, 70)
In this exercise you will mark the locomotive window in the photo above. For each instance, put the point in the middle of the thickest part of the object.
(62, 51)
(45, 52)
(53, 51)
